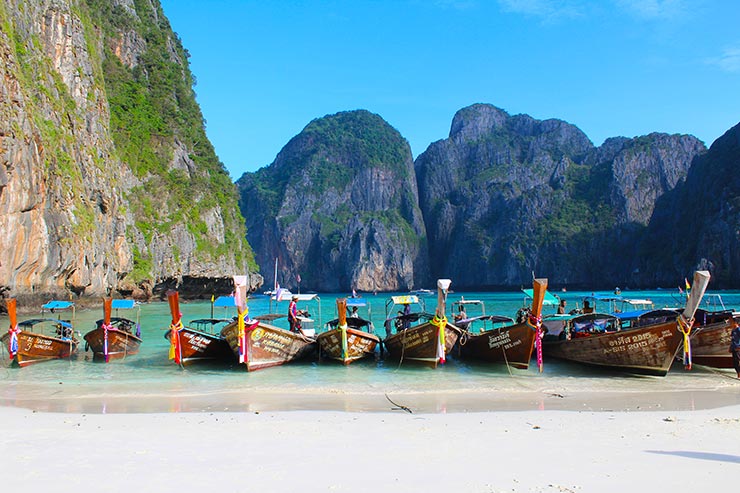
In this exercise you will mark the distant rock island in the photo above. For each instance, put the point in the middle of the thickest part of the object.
(503, 197)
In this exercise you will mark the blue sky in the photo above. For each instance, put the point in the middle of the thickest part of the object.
(266, 68)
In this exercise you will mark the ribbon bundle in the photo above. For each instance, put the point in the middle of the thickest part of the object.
(106, 328)
(536, 323)
(441, 323)
(685, 327)
(13, 342)
(175, 346)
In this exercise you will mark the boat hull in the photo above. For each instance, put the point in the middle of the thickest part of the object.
(710, 345)
(360, 344)
(35, 348)
(419, 343)
(268, 345)
(512, 345)
(648, 350)
(202, 347)
(120, 344)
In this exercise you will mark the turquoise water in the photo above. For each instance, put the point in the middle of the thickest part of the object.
(148, 381)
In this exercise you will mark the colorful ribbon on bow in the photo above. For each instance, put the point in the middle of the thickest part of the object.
(13, 342)
(441, 324)
(175, 346)
(13, 330)
(685, 327)
(106, 327)
(536, 323)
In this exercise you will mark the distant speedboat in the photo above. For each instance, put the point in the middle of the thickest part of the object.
(422, 292)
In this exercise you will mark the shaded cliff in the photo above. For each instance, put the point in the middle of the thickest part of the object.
(339, 208)
(505, 196)
(107, 179)
(698, 224)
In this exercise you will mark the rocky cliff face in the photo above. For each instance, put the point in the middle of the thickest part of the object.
(339, 208)
(106, 182)
(505, 196)
(697, 225)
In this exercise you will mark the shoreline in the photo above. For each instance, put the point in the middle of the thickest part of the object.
(411, 402)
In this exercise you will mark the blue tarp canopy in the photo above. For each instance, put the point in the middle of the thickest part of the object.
(57, 305)
(123, 304)
(631, 314)
(356, 302)
(225, 301)
(550, 299)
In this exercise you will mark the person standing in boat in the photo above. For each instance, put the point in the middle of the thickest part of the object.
(293, 313)
(735, 349)
(561, 307)
(460, 315)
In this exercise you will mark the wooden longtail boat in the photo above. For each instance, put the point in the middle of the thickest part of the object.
(646, 349)
(114, 337)
(709, 346)
(260, 345)
(510, 344)
(200, 341)
(39, 339)
(346, 341)
(428, 342)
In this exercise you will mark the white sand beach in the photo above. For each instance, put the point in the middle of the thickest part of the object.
(584, 450)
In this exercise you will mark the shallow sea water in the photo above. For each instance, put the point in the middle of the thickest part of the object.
(149, 382)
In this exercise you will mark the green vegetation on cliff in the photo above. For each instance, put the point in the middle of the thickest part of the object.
(153, 111)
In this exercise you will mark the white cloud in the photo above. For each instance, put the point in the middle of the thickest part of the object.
(655, 9)
(546, 9)
(729, 60)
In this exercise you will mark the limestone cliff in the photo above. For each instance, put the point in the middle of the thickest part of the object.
(107, 180)
(339, 208)
(697, 225)
(505, 196)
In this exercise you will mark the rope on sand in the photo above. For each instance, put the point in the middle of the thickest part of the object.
(398, 406)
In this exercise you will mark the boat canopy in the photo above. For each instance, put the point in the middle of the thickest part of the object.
(356, 302)
(405, 299)
(549, 300)
(225, 301)
(35, 321)
(301, 297)
(122, 304)
(58, 305)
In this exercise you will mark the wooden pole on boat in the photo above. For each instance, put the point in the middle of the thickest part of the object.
(686, 319)
(13, 329)
(342, 325)
(539, 287)
(440, 319)
(173, 297)
(107, 308)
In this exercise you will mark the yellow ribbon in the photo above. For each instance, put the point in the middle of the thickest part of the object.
(240, 331)
(441, 323)
(685, 327)
(174, 330)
